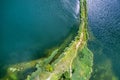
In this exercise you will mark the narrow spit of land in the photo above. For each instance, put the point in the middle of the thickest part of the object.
(64, 63)
(65, 60)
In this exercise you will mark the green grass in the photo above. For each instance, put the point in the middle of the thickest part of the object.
(71, 60)
(64, 63)
(83, 65)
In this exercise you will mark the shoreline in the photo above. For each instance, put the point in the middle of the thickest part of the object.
(65, 60)
(50, 69)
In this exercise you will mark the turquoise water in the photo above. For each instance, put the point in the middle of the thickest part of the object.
(28, 27)
(104, 22)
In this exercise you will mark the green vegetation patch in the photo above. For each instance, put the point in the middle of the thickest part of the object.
(83, 65)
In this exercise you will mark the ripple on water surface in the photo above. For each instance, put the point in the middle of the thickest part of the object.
(104, 21)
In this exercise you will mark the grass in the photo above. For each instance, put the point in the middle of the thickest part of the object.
(64, 62)
(83, 64)
(73, 61)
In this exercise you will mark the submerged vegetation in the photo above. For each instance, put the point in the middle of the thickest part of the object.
(72, 62)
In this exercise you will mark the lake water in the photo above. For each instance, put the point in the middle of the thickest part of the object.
(104, 22)
(28, 27)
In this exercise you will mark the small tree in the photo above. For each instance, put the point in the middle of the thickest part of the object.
(49, 68)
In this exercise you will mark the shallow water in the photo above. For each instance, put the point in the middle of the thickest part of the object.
(104, 22)
(28, 27)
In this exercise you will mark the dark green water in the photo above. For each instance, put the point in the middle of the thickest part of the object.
(28, 27)
(104, 22)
